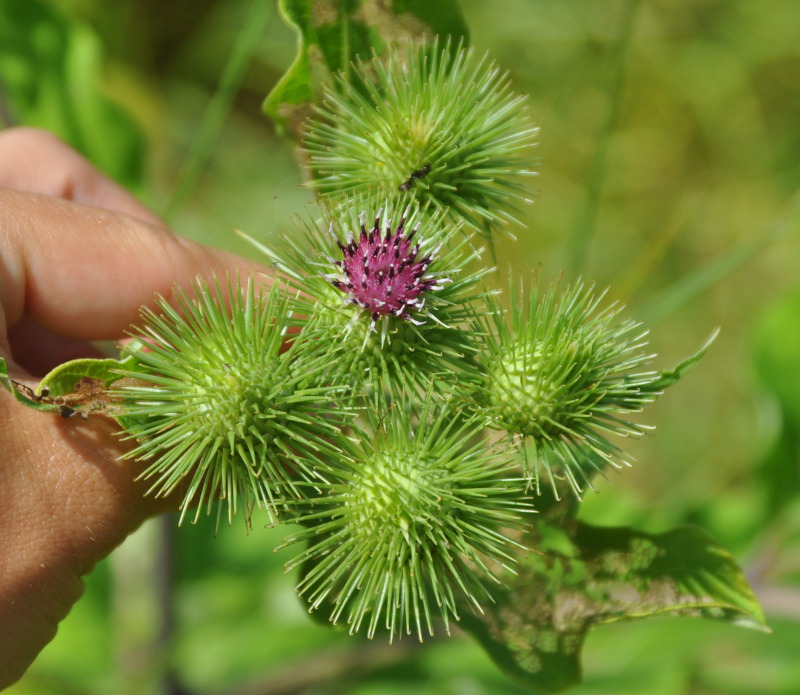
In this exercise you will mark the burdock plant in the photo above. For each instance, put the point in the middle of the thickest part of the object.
(374, 391)
(413, 516)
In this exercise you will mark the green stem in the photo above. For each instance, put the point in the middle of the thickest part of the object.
(220, 104)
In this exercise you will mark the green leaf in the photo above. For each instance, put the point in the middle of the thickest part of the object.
(62, 380)
(51, 77)
(331, 33)
(574, 582)
(669, 377)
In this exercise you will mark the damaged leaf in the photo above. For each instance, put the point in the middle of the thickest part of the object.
(79, 387)
(590, 576)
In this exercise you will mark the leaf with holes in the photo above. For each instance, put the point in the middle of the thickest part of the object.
(590, 576)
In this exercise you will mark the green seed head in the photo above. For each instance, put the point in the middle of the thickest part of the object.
(431, 121)
(525, 395)
(397, 493)
(562, 379)
(410, 524)
(216, 407)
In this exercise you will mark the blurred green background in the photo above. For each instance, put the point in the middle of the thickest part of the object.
(669, 164)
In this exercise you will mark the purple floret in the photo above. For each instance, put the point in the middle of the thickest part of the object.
(382, 272)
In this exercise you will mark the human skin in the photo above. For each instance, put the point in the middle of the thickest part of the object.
(79, 257)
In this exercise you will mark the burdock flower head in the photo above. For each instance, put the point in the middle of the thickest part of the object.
(411, 521)
(219, 408)
(385, 274)
(427, 120)
(562, 379)
(387, 288)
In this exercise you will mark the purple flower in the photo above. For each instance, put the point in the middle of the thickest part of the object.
(383, 273)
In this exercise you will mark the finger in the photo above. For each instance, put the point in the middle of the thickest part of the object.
(66, 500)
(84, 272)
(37, 161)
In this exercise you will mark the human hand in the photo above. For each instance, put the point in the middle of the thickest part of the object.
(79, 256)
